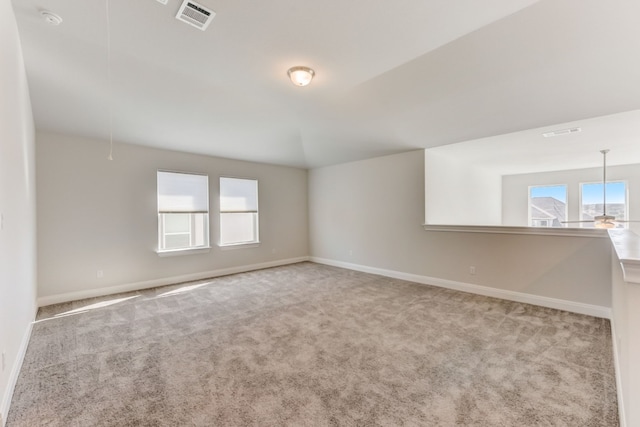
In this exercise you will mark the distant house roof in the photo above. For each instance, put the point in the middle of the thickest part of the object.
(548, 208)
(537, 213)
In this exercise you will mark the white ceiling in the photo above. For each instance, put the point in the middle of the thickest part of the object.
(390, 76)
(529, 151)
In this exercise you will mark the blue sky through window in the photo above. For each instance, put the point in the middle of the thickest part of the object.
(592, 193)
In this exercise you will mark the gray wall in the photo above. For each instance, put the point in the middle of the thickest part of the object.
(95, 214)
(17, 205)
(370, 213)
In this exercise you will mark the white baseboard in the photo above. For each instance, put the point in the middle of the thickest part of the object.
(572, 306)
(91, 293)
(13, 375)
(616, 361)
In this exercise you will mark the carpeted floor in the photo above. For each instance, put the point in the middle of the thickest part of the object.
(312, 345)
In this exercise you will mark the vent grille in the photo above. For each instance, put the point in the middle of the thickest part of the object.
(561, 132)
(195, 14)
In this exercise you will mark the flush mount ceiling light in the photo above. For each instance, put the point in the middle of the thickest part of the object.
(50, 17)
(301, 76)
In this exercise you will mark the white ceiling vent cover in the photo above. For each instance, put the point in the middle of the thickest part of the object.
(195, 14)
(561, 132)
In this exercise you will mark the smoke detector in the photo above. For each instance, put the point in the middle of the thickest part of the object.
(50, 17)
(195, 14)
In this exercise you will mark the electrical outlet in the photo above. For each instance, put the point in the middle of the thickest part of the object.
(100, 274)
(350, 252)
(472, 270)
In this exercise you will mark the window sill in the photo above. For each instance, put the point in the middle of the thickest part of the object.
(180, 252)
(240, 246)
(502, 229)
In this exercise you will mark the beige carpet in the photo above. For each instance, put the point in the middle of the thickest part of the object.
(311, 345)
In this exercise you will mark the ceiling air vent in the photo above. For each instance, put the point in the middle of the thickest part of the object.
(195, 14)
(561, 132)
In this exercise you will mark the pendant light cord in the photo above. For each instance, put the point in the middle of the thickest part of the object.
(110, 96)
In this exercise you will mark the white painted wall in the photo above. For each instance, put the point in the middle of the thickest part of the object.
(17, 206)
(626, 321)
(620, 322)
(370, 213)
(515, 191)
(95, 214)
(460, 193)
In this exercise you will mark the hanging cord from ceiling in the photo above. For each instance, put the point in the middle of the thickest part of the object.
(109, 94)
(604, 181)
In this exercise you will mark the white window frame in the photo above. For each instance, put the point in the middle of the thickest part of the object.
(224, 211)
(626, 199)
(566, 206)
(193, 214)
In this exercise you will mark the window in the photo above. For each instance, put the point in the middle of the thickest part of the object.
(183, 211)
(592, 197)
(238, 211)
(547, 206)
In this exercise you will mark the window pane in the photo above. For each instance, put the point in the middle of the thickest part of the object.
(200, 228)
(238, 228)
(183, 210)
(183, 231)
(176, 223)
(238, 194)
(593, 198)
(177, 241)
(547, 206)
(182, 192)
(238, 211)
